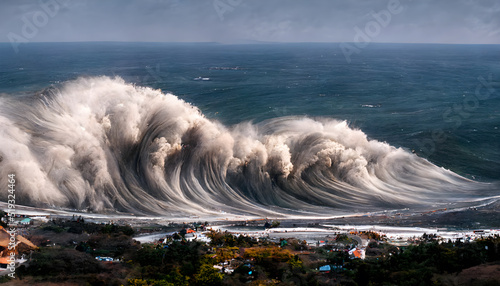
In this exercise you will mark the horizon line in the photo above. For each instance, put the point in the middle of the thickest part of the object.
(246, 42)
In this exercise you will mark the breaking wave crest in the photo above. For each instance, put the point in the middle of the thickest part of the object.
(105, 145)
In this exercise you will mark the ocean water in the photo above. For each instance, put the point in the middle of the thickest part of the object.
(277, 129)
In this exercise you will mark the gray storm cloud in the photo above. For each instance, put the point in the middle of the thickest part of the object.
(229, 21)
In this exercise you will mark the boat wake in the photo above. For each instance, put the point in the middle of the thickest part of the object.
(105, 145)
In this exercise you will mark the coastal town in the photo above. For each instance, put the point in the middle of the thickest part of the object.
(264, 251)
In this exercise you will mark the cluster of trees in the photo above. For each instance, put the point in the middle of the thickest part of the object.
(79, 226)
(207, 275)
(76, 263)
(256, 261)
(72, 258)
(222, 239)
(373, 235)
(272, 224)
(191, 262)
(269, 253)
(179, 263)
(420, 264)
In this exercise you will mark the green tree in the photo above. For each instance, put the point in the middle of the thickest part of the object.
(208, 275)
(137, 282)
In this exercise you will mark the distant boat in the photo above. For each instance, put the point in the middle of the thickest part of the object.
(201, 78)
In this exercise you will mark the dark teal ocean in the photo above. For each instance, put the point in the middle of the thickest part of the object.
(439, 101)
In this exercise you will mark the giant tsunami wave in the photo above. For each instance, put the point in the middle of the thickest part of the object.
(105, 145)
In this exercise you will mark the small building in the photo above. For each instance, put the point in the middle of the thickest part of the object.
(104, 258)
(24, 221)
(357, 253)
(325, 268)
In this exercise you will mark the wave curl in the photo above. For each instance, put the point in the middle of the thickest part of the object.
(105, 145)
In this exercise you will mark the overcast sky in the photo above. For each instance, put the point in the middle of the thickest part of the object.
(230, 21)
